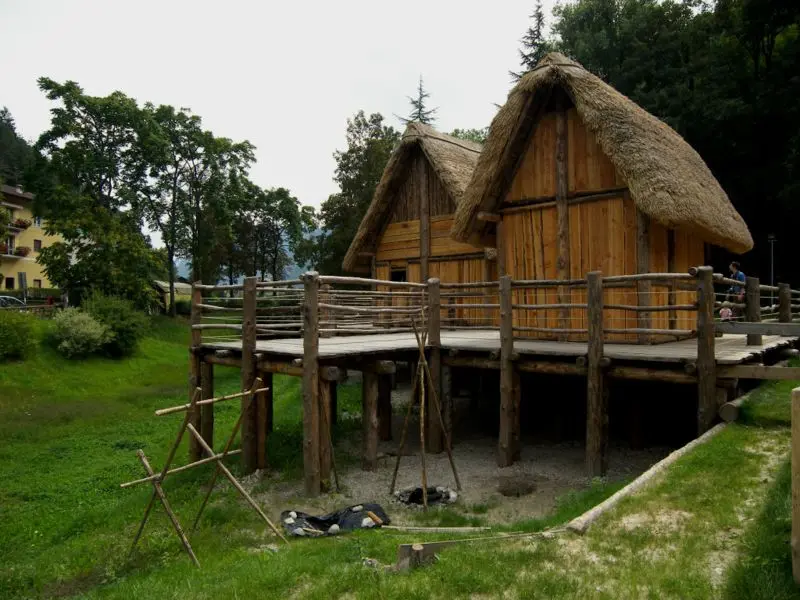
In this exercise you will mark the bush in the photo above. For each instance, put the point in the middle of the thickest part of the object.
(183, 307)
(125, 324)
(77, 334)
(16, 333)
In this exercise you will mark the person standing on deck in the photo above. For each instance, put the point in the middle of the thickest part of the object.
(736, 292)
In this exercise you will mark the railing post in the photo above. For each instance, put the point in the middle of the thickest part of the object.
(195, 365)
(250, 449)
(505, 447)
(311, 384)
(752, 308)
(784, 303)
(433, 425)
(596, 400)
(706, 359)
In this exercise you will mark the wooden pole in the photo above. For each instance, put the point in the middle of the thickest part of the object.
(752, 300)
(505, 447)
(706, 359)
(369, 416)
(325, 436)
(596, 403)
(643, 288)
(250, 450)
(432, 426)
(784, 303)
(795, 539)
(311, 384)
(325, 314)
(672, 296)
(195, 362)
(562, 209)
(424, 217)
(207, 410)
(499, 235)
(264, 408)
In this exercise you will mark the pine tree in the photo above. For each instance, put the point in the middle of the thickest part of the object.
(419, 112)
(534, 44)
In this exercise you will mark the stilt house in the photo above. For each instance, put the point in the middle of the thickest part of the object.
(405, 233)
(575, 177)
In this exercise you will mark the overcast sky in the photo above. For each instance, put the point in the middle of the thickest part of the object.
(283, 75)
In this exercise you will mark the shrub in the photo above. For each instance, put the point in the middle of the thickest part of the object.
(16, 333)
(183, 307)
(125, 324)
(77, 334)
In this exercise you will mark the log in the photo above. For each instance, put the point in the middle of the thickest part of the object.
(795, 539)
(250, 449)
(505, 447)
(759, 372)
(582, 523)
(753, 309)
(363, 281)
(195, 361)
(433, 425)
(311, 384)
(706, 359)
(596, 406)
(369, 416)
(758, 329)
(648, 374)
(197, 463)
(729, 411)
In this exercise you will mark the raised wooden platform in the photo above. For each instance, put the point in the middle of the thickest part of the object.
(729, 349)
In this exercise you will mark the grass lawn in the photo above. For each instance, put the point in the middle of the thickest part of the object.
(70, 430)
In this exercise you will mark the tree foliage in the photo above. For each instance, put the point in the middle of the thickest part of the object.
(473, 135)
(420, 113)
(16, 155)
(534, 43)
(358, 170)
(725, 76)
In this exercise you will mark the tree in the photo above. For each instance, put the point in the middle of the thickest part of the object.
(473, 135)
(534, 44)
(419, 111)
(358, 171)
(16, 155)
(78, 180)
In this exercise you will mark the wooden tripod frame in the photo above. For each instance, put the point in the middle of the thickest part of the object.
(155, 479)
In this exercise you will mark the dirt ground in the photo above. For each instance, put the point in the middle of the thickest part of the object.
(532, 485)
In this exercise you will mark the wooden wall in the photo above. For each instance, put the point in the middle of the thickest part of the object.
(602, 232)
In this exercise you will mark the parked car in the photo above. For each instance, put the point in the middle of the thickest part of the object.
(11, 302)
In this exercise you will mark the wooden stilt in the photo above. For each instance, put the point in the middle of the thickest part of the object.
(517, 423)
(195, 361)
(325, 446)
(505, 449)
(250, 446)
(596, 409)
(706, 360)
(369, 416)
(311, 384)
(432, 426)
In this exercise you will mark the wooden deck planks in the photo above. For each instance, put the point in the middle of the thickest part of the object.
(730, 349)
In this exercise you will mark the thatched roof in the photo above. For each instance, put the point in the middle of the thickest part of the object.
(667, 179)
(452, 159)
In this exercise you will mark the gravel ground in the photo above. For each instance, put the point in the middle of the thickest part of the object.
(545, 472)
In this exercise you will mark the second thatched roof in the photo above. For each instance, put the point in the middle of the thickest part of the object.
(451, 158)
(667, 179)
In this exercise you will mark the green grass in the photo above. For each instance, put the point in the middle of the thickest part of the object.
(70, 430)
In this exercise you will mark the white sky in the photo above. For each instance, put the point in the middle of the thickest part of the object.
(285, 75)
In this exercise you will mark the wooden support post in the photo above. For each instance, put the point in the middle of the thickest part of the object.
(369, 419)
(562, 211)
(424, 218)
(784, 303)
(264, 416)
(207, 410)
(311, 384)
(499, 234)
(433, 427)
(334, 403)
(505, 447)
(596, 400)
(325, 434)
(706, 360)
(643, 288)
(250, 450)
(195, 363)
(385, 407)
(672, 296)
(447, 401)
(752, 300)
(795, 538)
